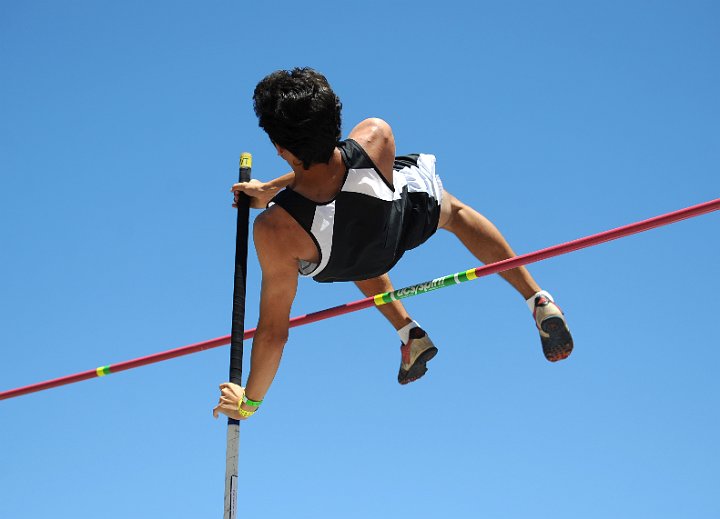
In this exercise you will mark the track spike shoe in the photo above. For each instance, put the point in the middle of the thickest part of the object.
(557, 342)
(415, 355)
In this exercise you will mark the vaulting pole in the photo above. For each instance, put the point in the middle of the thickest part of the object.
(237, 334)
(380, 299)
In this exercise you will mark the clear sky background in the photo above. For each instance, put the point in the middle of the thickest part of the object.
(120, 130)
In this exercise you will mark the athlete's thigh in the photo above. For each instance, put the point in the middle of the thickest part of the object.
(447, 206)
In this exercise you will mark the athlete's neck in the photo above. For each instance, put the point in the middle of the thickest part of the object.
(320, 182)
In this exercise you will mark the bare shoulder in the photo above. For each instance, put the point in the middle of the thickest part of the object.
(273, 226)
(376, 137)
(268, 220)
(371, 129)
(279, 238)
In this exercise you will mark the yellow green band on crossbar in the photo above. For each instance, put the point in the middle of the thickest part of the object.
(428, 286)
(102, 371)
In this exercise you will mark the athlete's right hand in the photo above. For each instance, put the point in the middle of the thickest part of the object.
(260, 193)
(230, 397)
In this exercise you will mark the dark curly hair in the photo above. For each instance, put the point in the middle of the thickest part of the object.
(300, 112)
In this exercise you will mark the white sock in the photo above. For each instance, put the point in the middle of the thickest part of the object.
(404, 332)
(531, 302)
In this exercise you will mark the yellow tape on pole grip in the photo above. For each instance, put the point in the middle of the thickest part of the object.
(245, 160)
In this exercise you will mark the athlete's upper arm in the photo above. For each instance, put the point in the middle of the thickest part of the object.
(376, 138)
(279, 276)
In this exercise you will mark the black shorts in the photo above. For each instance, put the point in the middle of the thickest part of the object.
(424, 192)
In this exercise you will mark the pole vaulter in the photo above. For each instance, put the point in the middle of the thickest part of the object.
(380, 299)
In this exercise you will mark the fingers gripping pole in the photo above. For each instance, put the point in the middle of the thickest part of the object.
(420, 288)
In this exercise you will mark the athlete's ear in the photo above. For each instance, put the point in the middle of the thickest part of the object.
(280, 149)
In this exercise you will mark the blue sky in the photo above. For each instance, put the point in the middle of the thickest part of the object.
(120, 132)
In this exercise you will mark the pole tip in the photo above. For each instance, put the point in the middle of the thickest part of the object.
(245, 160)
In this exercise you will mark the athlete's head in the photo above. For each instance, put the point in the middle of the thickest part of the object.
(300, 112)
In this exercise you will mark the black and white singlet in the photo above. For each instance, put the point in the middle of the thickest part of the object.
(367, 227)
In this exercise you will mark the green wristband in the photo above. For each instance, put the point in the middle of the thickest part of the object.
(251, 403)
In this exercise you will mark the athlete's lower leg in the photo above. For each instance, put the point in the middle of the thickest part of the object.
(484, 240)
(394, 312)
(416, 348)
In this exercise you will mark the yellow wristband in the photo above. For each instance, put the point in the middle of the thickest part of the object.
(242, 412)
(245, 414)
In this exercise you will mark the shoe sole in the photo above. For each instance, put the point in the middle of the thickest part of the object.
(560, 343)
(419, 368)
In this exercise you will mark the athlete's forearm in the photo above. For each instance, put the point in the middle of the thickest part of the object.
(261, 193)
(281, 182)
(264, 362)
